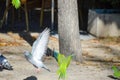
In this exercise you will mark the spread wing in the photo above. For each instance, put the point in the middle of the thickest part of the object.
(40, 45)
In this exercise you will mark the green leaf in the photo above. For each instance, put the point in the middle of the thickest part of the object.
(16, 3)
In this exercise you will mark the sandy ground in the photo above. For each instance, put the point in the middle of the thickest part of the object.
(99, 57)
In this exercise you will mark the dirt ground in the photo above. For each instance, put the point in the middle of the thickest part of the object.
(99, 56)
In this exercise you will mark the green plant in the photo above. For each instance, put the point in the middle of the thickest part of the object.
(16, 3)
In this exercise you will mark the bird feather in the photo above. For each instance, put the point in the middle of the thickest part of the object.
(40, 45)
(63, 63)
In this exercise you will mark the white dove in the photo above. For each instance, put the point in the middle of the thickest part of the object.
(38, 50)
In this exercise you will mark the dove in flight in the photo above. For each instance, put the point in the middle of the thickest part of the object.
(38, 50)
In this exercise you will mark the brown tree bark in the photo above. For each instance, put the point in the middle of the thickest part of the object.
(68, 28)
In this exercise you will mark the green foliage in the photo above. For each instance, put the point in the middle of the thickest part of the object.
(16, 3)
(116, 73)
(63, 63)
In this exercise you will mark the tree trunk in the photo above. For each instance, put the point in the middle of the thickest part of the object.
(68, 28)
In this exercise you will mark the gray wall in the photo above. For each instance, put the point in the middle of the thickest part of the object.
(103, 25)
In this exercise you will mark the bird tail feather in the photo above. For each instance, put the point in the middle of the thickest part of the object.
(46, 68)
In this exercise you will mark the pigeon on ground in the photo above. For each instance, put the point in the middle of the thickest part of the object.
(4, 64)
(38, 50)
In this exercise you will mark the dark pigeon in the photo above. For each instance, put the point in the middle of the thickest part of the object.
(4, 64)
